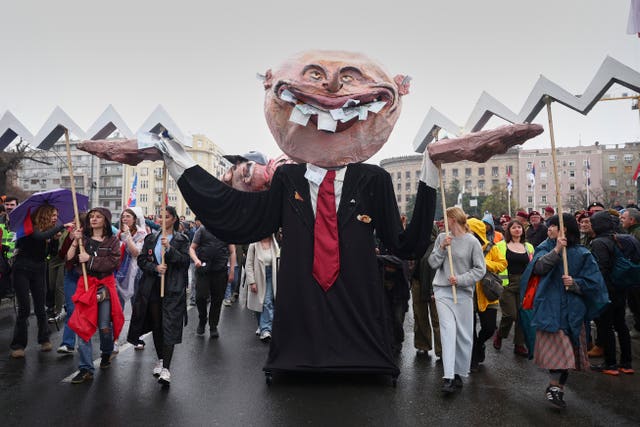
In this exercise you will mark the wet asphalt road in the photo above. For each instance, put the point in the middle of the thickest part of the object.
(220, 382)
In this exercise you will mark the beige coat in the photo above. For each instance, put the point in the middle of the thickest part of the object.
(255, 273)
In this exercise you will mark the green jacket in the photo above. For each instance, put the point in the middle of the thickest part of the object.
(8, 239)
(635, 231)
(502, 246)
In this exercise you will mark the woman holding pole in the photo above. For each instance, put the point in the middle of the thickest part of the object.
(164, 260)
(95, 305)
(456, 317)
(563, 302)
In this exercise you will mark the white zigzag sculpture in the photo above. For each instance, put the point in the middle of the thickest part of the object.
(610, 72)
(110, 120)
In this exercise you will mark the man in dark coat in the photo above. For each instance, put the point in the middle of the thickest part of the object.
(611, 321)
(537, 232)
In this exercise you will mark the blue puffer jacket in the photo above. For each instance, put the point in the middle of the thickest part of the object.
(554, 308)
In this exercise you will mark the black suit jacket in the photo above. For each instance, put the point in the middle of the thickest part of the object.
(346, 328)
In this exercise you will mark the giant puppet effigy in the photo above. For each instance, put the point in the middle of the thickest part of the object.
(329, 111)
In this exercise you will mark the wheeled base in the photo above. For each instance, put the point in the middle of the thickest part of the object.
(268, 377)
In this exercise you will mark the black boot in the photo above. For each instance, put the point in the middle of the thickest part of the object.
(448, 386)
(457, 381)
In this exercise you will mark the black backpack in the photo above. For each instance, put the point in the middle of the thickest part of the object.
(626, 261)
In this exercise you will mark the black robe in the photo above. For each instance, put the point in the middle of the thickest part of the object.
(347, 328)
(174, 303)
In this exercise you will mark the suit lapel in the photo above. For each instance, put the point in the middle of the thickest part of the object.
(297, 193)
(353, 180)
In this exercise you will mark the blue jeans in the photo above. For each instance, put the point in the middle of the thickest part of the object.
(85, 349)
(266, 317)
(70, 284)
(236, 279)
(228, 292)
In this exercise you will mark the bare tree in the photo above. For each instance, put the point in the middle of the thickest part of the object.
(10, 161)
(497, 202)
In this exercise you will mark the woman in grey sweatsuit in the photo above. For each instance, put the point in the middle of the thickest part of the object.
(456, 320)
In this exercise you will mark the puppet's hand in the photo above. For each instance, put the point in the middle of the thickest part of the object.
(174, 154)
(429, 173)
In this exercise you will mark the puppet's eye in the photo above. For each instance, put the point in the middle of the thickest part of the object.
(346, 78)
(314, 74)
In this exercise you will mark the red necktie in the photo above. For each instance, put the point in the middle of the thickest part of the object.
(326, 252)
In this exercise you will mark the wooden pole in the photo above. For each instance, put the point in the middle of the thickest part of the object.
(163, 208)
(75, 205)
(446, 223)
(565, 264)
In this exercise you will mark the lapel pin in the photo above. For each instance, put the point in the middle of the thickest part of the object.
(352, 201)
(364, 218)
(298, 197)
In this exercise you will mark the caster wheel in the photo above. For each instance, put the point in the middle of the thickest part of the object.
(268, 378)
(394, 382)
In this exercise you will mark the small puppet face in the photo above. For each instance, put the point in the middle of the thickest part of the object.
(247, 176)
(332, 108)
(253, 176)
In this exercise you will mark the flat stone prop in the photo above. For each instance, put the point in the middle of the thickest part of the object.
(120, 150)
(481, 146)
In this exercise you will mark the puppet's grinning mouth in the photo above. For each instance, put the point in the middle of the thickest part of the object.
(327, 120)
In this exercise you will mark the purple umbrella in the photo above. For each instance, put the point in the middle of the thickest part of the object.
(59, 198)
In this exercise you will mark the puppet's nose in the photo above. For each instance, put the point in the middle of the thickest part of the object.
(334, 84)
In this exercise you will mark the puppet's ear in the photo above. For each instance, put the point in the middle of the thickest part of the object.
(268, 79)
(403, 82)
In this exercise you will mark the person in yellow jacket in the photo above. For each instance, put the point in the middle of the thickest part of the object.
(518, 253)
(487, 311)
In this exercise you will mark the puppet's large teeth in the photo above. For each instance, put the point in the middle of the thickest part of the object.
(351, 103)
(375, 107)
(287, 96)
(363, 112)
(299, 117)
(326, 122)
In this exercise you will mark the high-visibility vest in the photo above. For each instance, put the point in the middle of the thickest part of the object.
(8, 239)
(502, 246)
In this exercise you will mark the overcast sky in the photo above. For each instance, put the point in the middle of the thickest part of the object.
(199, 60)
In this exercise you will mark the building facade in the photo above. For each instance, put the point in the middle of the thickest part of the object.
(619, 164)
(99, 179)
(585, 174)
(579, 172)
(405, 174)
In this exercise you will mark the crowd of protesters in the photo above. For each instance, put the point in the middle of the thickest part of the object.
(94, 269)
(156, 268)
(556, 329)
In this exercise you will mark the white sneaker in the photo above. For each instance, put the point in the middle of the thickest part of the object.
(265, 336)
(165, 377)
(157, 369)
(258, 331)
(64, 349)
(226, 302)
(116, 348)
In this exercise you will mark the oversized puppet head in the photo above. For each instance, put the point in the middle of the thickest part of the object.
(331, 108)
